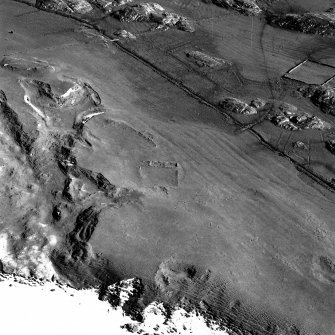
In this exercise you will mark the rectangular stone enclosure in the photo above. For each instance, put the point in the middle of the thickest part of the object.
(310, 72)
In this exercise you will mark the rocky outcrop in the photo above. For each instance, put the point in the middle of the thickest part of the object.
(125, 34)
(139, 12)
(60, 202)
(126, 294)
(236, 106)
(300, 145)
(258, 103)
(11, 121)
(330, 145)
(154, 13)
(108, 5)
(80, 94)
(247, 7)
(324, 98)
(288, 117)
(26, 239)
(116, 3)
(309, 23)
(66, 6)
(26, 65)
(117, 309)
(85, 225)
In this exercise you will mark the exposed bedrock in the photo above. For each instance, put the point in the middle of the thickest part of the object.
(309, 23)
(247, 7)
(26, 239)
(69, 197)
(11, 121)
(154, 13)
(122, 33)
(67, 6)
(324, 97)
(289, 117)
(81, 94)
(190, 285)
(85, 224)
(128, 294)
(107, 5)
(26, 65)
(237, 106)
(321, 96)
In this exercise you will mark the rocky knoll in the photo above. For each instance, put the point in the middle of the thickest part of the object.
(59, 202)
(324, 97)
(26, 66)
(154, 13)
(247, 7)
(237, 106)
(67, 6)
(115, 309)
(80, 94)
(309, 23)
(107, 6)
(289, 117)
(321, 96)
